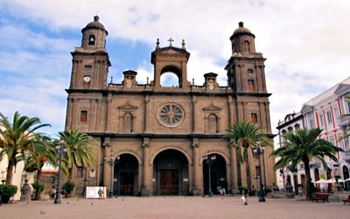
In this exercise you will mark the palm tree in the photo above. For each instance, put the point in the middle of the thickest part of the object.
(301, 146)
(17, 139)
(42, 152)
(79, 151)
(244, 136)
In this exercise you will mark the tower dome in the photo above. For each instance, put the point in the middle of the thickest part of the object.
(241, 30)
(94, 35)
(95, 25)
(242, 40)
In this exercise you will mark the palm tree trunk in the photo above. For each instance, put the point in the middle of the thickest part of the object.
(9, 173)
(38, 176)
(249, 184)
(70, 174)
(307, 179)
(239, 176)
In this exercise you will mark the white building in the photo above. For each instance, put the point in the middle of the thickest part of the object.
(326, 111)
(291, 122)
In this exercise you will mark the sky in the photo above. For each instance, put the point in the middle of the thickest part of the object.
(306, 44)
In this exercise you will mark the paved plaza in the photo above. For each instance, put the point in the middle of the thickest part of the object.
(176, 207)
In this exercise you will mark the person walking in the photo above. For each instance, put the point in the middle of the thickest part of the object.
(245, 196)
(100, 193)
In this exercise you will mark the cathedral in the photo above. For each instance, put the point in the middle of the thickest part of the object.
(151, 139)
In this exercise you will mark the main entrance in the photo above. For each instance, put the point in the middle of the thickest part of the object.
(125, 175)
(218, 178)
(170, 173)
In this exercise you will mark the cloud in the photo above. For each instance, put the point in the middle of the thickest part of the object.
(35, 73)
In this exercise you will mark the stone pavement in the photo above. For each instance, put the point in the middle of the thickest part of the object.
(175, 207)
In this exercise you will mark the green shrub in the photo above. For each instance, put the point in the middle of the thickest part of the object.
(68, 187)
(6, 192)
(38, 186)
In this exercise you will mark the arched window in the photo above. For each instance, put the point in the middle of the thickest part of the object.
(128, 121)
(246, 46)
(92, 40)
(213, 124)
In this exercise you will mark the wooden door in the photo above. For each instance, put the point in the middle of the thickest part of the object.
(169, 182)
(127, 184)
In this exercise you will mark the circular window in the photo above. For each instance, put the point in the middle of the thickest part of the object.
(171, 115)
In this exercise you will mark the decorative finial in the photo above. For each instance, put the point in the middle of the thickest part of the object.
(96, 18)
(183, 44)
(170, 42)
(147, 80)
(111, 80)
(192, 81)
(240, 24)
(157, 43)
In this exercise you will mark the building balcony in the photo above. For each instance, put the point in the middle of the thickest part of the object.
(344, 121)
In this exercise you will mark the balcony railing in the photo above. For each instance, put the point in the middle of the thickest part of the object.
(344, 121)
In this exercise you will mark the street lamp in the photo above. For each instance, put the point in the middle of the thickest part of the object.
(209, 160)
(111, 163)
(259, 150)
(60, 149)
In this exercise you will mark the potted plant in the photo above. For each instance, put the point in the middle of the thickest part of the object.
(39, 188)
(68, 188)
(6, 192)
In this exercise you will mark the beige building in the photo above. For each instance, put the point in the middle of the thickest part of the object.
(158, 136)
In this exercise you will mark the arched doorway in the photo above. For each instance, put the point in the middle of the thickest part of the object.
(170, 172)
(346, 176)
(218, 177)
(126, 175)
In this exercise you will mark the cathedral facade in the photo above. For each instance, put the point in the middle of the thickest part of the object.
(155, 140)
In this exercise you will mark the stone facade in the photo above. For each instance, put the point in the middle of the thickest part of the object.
(157, 136)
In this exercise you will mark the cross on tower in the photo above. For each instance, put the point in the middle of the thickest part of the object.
(170, 41)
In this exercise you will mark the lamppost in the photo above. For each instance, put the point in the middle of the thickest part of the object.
(111, 163)
(60, 149)
(209, 160)
(259, 150)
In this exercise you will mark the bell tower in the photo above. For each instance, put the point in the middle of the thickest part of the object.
(91, 60)
(245, 68)
(170, 59)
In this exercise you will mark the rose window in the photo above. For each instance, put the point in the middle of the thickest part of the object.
(171, 115)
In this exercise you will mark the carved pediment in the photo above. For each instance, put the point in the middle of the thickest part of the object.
(212, 107)
(127, 106)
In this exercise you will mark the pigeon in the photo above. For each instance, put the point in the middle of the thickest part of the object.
(42, 212)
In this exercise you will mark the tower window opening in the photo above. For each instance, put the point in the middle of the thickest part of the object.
(253, 118)
(169, 79)
(92, 40)
(251, 86)
(246, 47)
(83, 116)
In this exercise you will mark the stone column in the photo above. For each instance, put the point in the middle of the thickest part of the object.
(233, 167)
(196, 190)
(194, 101)
(146, 119)
(147, 183)
(107, 168)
